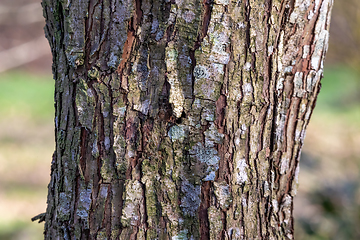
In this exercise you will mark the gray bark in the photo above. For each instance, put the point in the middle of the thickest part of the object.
(180, 119)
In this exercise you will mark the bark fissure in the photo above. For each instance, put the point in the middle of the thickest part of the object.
(203, 215)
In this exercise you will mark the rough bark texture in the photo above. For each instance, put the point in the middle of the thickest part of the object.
(180, 119)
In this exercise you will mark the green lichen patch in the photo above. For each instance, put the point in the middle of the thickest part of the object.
(177, 133)
(206, 159)
(215, 222)
(132, 199)
(85, 104)
(223, 194)
(206, 89)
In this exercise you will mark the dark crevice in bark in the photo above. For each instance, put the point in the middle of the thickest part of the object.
(83, 152)
(193, 64)
(205, 21)
(126, 53)
(238, 103)
(111, 134)
(259, 219)
(88, 30)
(59, 24)
(267, 57)
(247, 8)
(139, 14)
(107, 36)
(146, 130)
(203, 211)
(221, 102)
(101, 136)
(287, 93)
(247, 151)
(207, 5)
(165, 108)
(246, 197)
(308, 37)
(284, 14)
(102, 27)
(170, 33)
(223, 235)
(262, 122)
(181, 118)
(223, 172)
(98, 125)
(273, 127)
(133, 25)
(107, 213)
(121, 184)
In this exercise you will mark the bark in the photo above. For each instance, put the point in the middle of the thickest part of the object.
(180, 119)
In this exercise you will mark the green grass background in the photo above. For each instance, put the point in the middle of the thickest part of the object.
(26, 146)
(26, 95)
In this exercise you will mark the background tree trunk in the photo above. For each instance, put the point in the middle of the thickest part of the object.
(180, 119)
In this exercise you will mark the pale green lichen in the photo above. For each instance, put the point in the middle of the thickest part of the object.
(188, 16)
(295, 182)
(177, 133)
(85, 104)
(201, 72)
(321, 34)
(95, 149)
(266, 189)
(275, 205)
(206, 89)
(280, 84)
(119, 147)
(142, 107)
(215, 222)
(93, 73)
(171, 213)
(286, 208)
(208, 112)
(306, 51)
(84, 203)
(182, 235)
(63, 210)
(212, 136)
(151, 183)
(240, 171)
(101, 235)
(213, 55)
(284, 164)
(209, 156)
(222, 193)
(280, 52)
(106, 171)
(132, 199)
(298, 84)
(176, 93)
(248, 89)
(190, 201)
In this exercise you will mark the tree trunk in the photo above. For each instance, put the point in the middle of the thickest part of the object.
(180, 119)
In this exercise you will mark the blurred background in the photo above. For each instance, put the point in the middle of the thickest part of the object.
(328, 202)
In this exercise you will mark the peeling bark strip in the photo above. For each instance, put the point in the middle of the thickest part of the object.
(181, 119)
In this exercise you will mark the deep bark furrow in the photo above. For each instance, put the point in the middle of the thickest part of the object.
(203, 209)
